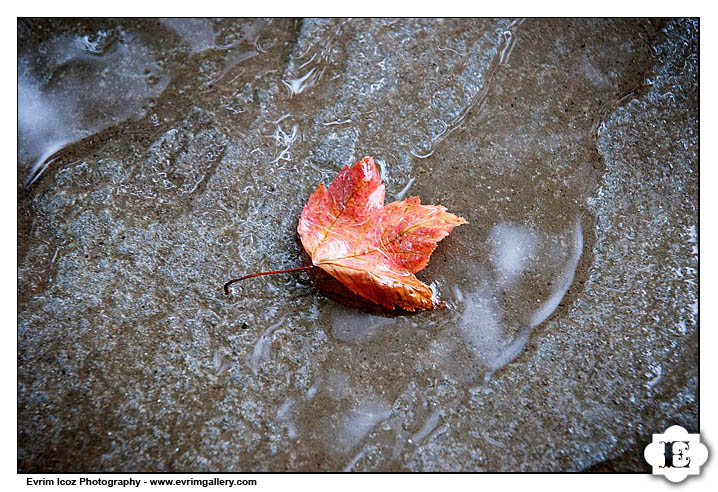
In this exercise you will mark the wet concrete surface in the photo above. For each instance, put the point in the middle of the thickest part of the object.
(160, 158)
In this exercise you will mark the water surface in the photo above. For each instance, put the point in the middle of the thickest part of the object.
(159, 158)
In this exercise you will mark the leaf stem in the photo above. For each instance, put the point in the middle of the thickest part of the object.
(226, 285)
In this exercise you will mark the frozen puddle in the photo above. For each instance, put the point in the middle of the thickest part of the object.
(260, 352)
(110, 74)
(512, 245)
(356, 423)
(350, 325)
(164, 156)
(501, 306)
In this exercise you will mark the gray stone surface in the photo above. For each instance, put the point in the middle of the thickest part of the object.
(158, 159)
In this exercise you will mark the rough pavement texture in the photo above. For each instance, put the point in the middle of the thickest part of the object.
(158, 159)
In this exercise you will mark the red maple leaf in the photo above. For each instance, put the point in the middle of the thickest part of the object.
(372, 248)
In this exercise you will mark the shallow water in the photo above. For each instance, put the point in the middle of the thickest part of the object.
(158, 159)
